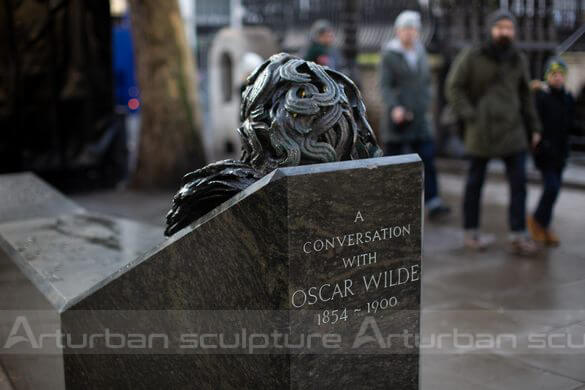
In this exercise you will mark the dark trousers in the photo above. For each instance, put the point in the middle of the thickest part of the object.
(552, 179)
(426, 151)
(516, 174)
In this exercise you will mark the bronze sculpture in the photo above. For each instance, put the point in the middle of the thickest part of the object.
(293, 112)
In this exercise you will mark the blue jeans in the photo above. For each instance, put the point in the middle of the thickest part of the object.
(552, 179)
(516, 174)
(426, 151)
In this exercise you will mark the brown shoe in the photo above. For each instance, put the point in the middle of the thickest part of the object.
(537, 232)
(523, 246)
(551, 238)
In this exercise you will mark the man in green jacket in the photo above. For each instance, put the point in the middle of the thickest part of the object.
(405, 84)
(488, 87)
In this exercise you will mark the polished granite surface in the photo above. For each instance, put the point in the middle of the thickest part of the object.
(25, 196)
(70, 254)
(247, 255)
(460, 284)
(51, 253)
(475, 291)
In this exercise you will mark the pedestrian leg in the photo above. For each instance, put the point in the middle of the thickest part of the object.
(472, 196)
(551, 179)
(520, 242)
(426, 152)
(433, 203)
(516, 174)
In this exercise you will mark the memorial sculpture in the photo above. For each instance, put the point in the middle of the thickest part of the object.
(293, 112)
(296, 269)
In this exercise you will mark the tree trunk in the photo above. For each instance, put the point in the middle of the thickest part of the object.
(170, 136)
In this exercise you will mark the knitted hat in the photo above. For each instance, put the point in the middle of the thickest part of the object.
(408, 19)
(497, 15)
(556, 64)
(319, 27)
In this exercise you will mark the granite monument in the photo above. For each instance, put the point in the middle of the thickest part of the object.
(298, 266)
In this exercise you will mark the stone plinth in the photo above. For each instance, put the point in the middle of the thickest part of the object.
(328, 250)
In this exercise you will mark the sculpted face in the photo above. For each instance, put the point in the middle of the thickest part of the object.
(296, 112)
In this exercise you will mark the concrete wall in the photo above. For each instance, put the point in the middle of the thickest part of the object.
(576, 76)
(227, 52)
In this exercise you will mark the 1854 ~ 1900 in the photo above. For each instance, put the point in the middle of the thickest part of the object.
(334, 316)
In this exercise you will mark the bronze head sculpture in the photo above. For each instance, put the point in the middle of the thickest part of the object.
(293, 112)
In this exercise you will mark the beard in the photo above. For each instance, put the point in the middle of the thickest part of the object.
(501, 48)
(503, 42)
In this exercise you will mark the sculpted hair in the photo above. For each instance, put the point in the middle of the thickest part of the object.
(296, 112)
(293, 112)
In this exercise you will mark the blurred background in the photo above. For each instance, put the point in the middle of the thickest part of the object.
(114, 101)
(136, 93)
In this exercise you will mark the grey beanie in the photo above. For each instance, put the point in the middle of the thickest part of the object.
(408, 19)
(319, 27)
(498, 15)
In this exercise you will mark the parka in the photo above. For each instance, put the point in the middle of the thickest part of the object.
(494, 100)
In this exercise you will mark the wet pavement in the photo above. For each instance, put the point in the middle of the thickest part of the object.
(534, 307)
(504, 322)
(490, 320)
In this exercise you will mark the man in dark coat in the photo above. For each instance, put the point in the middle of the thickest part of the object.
(488, 87)
(556, 108)
(405, 84)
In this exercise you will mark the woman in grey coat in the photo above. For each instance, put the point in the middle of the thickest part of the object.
(405, 84)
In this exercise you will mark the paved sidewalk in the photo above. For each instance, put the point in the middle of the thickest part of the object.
(477, 294)
(484, 295)
(147, 207)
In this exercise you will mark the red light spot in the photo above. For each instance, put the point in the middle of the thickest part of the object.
(133, 104)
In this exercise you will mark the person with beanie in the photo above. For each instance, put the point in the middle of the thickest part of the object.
(488, 87)
(556, 108)
(320, 49)
(405, 83)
